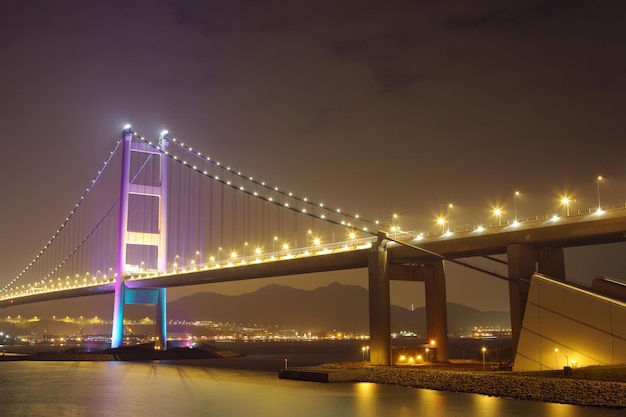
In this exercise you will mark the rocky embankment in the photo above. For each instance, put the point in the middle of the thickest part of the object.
(506, 384)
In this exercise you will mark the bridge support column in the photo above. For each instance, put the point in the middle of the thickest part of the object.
(522, 265)
(380, 306)
(437, 311)
(433, 276)
(551, 262)
(161, 320)
(523, 261)
(117, 331)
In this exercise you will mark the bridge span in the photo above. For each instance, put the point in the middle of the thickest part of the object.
(534, 246)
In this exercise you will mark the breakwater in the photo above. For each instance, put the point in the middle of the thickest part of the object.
(498, 384)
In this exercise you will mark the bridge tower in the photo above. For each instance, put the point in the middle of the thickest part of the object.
(137, 184)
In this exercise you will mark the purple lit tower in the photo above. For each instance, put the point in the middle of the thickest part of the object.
(151, 189)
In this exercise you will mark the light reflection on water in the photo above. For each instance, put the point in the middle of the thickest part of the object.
(154, 389)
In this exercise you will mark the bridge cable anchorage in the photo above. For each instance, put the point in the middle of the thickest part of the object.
(451, 260)
(268, 199)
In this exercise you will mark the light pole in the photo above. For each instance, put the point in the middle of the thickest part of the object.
(498, 213)
(442, 222)
(598, 179)
(394, 227)
(484, 349)
(556, 358)
(515, 195)
(449, 207)
(565, 202)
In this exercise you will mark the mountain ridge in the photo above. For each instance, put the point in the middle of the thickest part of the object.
(333, 307)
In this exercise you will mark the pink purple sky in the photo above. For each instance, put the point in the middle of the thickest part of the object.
(379, 106)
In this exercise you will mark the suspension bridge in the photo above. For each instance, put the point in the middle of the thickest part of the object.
(161, 214)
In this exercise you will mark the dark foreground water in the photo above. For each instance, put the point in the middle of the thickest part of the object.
(236, 387)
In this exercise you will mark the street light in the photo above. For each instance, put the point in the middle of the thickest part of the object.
(498, 213)
(515, 195)
(556, 358)
(598, 179)
(442, 222)
(484, 349)
(449, 207)
(565, 201)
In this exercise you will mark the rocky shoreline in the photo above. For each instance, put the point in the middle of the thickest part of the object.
(503, 384)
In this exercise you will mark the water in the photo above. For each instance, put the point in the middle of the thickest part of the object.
(246, 386)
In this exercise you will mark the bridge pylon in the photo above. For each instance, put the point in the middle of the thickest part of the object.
(142, 186)
(382, 269)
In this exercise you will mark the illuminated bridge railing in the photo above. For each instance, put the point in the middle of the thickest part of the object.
(142, 274)
(537, 221)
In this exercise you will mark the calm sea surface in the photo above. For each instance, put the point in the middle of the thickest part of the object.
(246, 386)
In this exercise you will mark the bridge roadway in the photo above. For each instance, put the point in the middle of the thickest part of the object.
(574, 230)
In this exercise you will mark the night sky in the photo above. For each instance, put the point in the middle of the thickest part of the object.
(379, 107)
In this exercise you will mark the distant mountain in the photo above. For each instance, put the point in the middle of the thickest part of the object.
(336, 306)
(333, 307)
